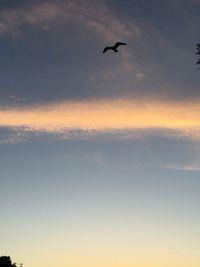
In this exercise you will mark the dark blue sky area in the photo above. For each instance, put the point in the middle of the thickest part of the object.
(61, 58)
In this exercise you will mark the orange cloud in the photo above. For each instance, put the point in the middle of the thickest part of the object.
(106, 115)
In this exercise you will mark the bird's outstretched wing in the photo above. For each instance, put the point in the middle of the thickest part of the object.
(105, 49)
(118, 44)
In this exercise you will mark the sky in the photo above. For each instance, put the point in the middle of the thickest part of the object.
(100, 153)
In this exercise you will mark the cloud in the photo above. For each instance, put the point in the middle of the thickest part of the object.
(13, 135)
(192, 163)
(107, 116)
(189, 168)
(93, 15)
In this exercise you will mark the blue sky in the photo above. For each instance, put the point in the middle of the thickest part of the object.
(99, 153)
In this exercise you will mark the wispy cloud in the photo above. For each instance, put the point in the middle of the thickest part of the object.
(189, 168)
(13, 135)
(193, 159)
(93, 15)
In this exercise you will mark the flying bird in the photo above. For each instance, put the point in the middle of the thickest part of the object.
(114, 48)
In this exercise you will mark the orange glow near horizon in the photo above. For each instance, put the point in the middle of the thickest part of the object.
(104, 115)
(112, 257)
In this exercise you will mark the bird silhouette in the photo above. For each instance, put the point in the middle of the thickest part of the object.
(114, 48)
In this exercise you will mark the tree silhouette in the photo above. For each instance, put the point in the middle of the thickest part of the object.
(198, 52)
(5, 261)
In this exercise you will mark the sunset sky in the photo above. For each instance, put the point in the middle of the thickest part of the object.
(100, 153)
